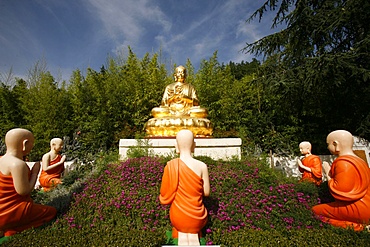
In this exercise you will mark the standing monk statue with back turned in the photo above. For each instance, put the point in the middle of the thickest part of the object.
(185, 181)
(310, 165)
(52, 165)
(349, 184)
(17, 210)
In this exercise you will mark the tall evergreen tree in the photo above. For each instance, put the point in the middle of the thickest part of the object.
(319, 65)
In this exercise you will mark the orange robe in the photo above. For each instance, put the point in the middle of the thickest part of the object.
(350, 187)
(17, 212)
(315, 176)
(183, 189)
(49, 179)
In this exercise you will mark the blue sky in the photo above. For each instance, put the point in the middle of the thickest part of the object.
(77, 34)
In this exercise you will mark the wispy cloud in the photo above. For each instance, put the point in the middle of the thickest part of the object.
(82, 33)
(223, 28)
(125, 21)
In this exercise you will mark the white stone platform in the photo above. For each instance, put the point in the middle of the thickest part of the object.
(215, 148)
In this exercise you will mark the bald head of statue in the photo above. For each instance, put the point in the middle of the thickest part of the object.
(340, 142)
(19, 140)
(185, 141)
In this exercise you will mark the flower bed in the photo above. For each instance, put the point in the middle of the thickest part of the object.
(249, 202)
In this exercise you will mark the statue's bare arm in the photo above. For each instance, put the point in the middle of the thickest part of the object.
(205, 177)
(22, 184)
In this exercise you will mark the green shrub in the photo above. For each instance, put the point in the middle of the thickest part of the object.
(142, 149)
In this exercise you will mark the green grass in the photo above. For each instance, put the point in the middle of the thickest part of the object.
(111, 203)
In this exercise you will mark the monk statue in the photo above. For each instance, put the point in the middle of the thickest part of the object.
(52, 166)
(179, 109)
(18, 212)
(349, 183)
(310, 165)
(184, 183)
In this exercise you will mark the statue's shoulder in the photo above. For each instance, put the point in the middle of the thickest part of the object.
(200, 164)
(13, 163)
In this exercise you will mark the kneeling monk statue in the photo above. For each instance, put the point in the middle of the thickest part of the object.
(349, 184)
(184, 183)
(18, 212)
(310, 165)
(52, 166)
(179, 109)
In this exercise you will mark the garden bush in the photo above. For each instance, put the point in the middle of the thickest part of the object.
(250, 205)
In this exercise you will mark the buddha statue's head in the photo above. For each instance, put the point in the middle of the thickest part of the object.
(180, 74)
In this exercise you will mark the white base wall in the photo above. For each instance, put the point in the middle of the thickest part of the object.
(215, 148)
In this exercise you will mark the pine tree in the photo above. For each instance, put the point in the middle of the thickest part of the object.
(319, 64)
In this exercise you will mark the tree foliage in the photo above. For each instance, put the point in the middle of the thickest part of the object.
(318, 64)
(115, 103)
(9, 105)
(46, 110)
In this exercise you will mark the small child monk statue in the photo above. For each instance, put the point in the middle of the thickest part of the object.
(310, 165)
(185, 181)
(18, 212)
(52, 166)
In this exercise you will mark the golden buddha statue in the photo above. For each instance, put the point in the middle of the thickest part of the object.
(179, 109)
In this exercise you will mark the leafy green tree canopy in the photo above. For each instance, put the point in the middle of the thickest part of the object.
(319, 63)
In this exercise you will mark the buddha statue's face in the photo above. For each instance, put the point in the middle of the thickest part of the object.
(180, 74)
